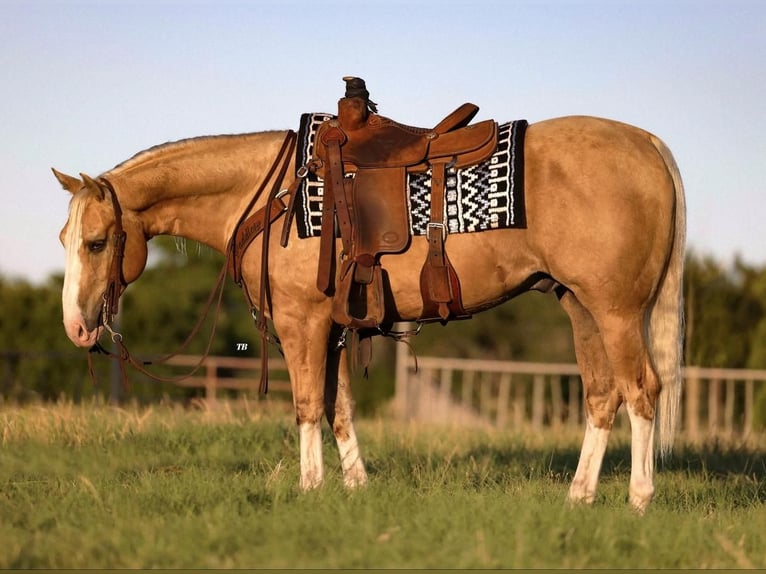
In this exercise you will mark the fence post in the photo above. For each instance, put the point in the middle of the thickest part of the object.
(538, 401)
(713, 397)
(749, 405)
(503, 398)
(518, 405)
(485, 394)
(467, 390)
(557, 399)
(403, 380)
(211, 380)
(728, 423)
(692, 400)
(575, 407)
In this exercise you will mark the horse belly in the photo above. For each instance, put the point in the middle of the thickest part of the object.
(492, 267)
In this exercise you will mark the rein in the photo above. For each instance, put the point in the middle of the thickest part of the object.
(239, 242)
(245, 231)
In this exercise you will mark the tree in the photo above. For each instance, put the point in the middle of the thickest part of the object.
(723, 311)
(37, 359)
(725, 326)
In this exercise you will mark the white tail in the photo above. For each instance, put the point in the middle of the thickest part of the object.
(666, 318)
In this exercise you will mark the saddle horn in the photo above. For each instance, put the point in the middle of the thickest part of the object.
(356, 88)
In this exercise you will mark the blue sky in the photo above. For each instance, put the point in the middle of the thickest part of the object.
(87, 84)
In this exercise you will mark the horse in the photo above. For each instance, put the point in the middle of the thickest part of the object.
(606, 224)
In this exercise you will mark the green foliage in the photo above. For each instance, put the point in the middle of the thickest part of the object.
(36, 358)
(725, 314)
(532, 327)
(725, 326)
(161, 309)
(98, 487)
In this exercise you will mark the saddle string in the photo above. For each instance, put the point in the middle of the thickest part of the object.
(361, 343)
(311, 167)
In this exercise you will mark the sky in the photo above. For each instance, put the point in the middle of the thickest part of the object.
(86, 85)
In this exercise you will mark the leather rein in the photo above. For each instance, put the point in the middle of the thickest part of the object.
(245, 231)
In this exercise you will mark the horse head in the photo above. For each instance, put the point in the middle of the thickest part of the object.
(91, 240)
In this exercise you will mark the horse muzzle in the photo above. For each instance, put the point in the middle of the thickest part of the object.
(80, 334)
(81, 331)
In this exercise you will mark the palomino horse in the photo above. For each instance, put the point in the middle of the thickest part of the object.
(606, 232)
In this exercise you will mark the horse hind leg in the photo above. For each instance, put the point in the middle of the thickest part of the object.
(616, 367)
(638, 383)
(600, 398)
(339, 406)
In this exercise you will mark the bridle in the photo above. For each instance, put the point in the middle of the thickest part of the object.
(115, 282)
(245, 231)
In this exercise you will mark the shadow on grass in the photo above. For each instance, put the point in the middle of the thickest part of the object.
(713, 461)
(729, 476)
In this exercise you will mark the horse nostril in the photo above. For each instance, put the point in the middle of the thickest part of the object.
(82, 334)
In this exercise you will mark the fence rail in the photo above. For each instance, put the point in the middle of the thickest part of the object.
(520, 395)
(213, 379)
(715, 403)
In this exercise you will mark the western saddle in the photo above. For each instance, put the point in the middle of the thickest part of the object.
(364, 160)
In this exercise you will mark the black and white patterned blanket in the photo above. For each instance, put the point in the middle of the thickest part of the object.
(489, 195)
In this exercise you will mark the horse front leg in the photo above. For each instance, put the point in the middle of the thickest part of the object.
(339, 409)
(304, 344)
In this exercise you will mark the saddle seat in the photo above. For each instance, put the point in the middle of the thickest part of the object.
(364, 162)
(374, 141)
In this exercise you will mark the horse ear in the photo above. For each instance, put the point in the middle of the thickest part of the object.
(93, 185)
(69, 183)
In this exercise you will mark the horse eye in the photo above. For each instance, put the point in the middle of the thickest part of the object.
(97, 246)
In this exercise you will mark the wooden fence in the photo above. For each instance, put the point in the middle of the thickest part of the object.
(231, 373)
(716, 403)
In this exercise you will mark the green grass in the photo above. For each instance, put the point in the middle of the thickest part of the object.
(166, 488)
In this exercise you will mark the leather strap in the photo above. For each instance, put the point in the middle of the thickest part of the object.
(246, 233)
(115, 280)
(333, 203)
(264, 290)
(283, 159)
(439, 283)
(302, 173)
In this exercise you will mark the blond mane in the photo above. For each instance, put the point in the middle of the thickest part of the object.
(182, 146)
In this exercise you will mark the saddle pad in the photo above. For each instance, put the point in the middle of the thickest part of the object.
(489, 195)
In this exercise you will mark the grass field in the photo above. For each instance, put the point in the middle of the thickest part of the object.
(162, 487)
